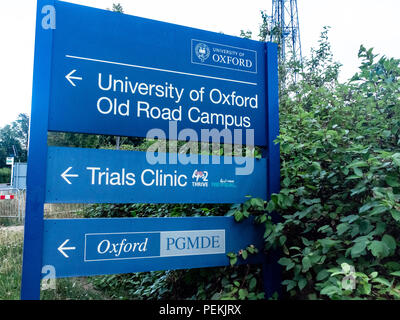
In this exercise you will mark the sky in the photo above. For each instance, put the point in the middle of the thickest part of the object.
(353, 22)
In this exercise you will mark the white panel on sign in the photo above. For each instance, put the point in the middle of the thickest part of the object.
(194, 242)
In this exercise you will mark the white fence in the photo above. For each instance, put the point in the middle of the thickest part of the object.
(12, 203)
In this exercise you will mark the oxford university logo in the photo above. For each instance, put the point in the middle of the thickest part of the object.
(202, 51)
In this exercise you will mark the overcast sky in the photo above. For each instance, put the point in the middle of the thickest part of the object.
(353, 22)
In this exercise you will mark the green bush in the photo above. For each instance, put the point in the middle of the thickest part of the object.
(227, 283)
(340, 196)
(5, 174)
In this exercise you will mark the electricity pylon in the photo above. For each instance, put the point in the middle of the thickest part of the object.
(285, 29)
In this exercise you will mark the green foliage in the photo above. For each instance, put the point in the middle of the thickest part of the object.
(137, 210)
(117, 7)
(235, 283)
(243, 253)
(340, 196)
(14, 136)
(5, 174)
(11, 264)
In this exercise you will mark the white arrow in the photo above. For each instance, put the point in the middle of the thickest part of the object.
(70, 77)
(65, 176)
(62, 248)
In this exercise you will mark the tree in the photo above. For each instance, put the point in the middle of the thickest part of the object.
(14, 140)
(9, 144)
(21, 127)
(21, 131)
(116, 7)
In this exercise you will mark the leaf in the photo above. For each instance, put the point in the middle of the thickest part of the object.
(286, 182)
(367, 288)
(233, 261)
(342, 228)
(357, 164)
(378, 249)
(302, 283)
(257, 203)
(382, 281)
(323, 274)
(357, 249)
(238, 216)
(252, 283)
(316, 166)
(392, 265)
(306, 262)
(271, 206)
(290, 284)
(327, 244)
(368, 206)
(350, 218)
(395, 214)
(353, 177)
(326, 228)
(282, 240)
(306, 242)
(396, 274)
(377, 210)
(358, 172)
(330, 290)
(392, 181)
(244, 254)
(243, 293)
(396, 159)
(286, 262)
(390, 242)
(365, 226)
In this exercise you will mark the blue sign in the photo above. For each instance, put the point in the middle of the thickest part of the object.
(123, 75)
(76, 247)
(100, 72)
(113, 176)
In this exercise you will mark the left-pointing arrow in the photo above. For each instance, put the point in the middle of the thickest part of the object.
(65, 175)
(61, 248)
(70, 77)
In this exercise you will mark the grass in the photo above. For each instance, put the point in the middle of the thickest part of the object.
(73, 289)
(10, 264)
(10, 275)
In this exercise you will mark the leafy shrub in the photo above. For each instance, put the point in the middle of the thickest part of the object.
(137, 210)
(340, 196)
(239, 282)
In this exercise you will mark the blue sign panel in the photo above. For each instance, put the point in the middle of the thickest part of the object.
(77, 247)
(123, 75)
(114, 176)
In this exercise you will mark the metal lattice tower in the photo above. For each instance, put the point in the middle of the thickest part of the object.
(285, 29)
